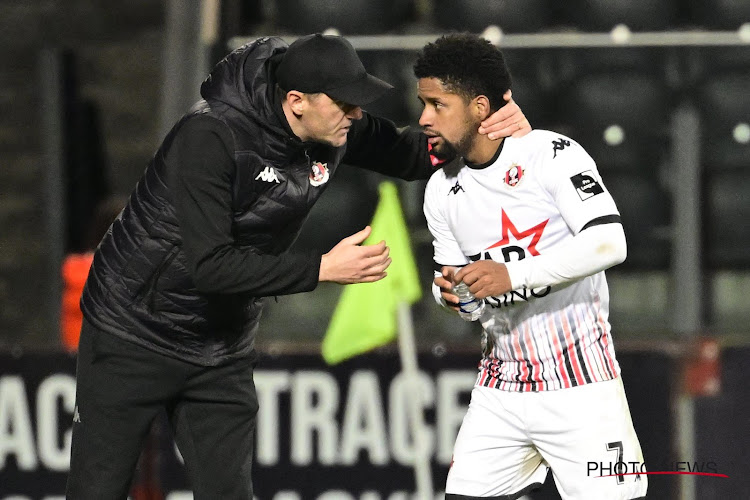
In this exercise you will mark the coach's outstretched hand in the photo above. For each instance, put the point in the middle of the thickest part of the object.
(350, 262)
(506, 121)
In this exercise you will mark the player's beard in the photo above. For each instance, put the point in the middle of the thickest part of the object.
(444, 151)
(462, 147)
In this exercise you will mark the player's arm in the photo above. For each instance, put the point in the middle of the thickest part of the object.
(594, 249)
(447, 253)
(573, 181)
(588, 209)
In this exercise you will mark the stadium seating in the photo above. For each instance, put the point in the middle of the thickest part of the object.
(719, 14)
(725, 113)
(725, 139)
(532, 84)
(727, 232)
(645, 210)
(638, 15)
(700, 64)
(619, 117)
(395, 67)
(526, 16)
(350, 17)
(658, 62)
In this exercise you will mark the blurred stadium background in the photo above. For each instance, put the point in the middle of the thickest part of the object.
(657, 91)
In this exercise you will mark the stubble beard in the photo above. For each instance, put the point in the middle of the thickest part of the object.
(464, 145)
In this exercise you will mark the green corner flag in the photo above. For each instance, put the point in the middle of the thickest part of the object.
(365, 317)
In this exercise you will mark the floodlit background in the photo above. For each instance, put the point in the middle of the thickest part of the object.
(656, 91)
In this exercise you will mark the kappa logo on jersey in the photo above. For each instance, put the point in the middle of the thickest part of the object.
(268, 175)
(319, 174)
(456, 188)
(514, 175)
(586, 185)
(559, 145)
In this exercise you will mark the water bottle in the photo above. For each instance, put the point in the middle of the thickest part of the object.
(469, 307)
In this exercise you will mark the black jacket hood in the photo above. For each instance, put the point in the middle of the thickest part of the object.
(244, 80)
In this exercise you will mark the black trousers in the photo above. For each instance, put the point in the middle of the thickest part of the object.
(121, 387)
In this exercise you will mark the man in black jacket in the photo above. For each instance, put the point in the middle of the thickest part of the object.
(175, 292)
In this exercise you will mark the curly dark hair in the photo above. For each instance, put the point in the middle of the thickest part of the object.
(468, 65)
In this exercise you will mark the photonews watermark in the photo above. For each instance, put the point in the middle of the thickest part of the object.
(621, 469)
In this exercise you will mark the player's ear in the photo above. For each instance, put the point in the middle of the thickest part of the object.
(482, 107)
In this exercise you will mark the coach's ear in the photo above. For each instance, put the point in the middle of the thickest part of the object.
(481, 107)
(297, 101)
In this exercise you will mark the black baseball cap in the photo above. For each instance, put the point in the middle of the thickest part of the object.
(328, 64)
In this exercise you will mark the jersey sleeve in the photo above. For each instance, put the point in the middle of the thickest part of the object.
(570, 176)
(447, 252)
(596, 249)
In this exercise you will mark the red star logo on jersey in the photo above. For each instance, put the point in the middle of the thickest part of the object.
(508, 228)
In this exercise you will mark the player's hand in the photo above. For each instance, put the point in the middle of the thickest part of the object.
(351, 262)
(506, 121)
(445, 283)
(486, 278)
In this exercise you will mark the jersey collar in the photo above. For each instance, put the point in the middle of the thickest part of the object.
(480, 166)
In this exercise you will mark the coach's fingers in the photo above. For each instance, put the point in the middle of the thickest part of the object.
(349, 262)
(357, 238)
(508, 120)
(379, 249)
(379, 266)
(373, 278)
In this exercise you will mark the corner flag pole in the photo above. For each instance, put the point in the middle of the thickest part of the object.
(409, 367)
(369, 315)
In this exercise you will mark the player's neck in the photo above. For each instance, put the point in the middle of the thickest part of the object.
(482, 150)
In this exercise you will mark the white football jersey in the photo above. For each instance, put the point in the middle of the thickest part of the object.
(540, 191)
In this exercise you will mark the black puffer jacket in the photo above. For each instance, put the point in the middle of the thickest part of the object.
(144, 288)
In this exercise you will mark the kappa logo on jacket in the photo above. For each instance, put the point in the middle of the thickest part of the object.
(268, 175)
